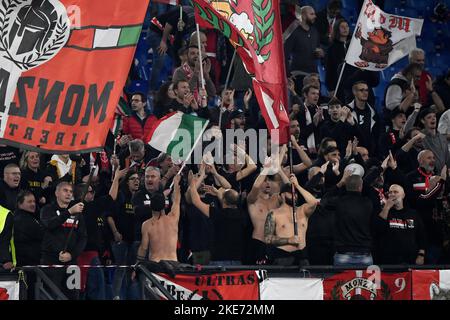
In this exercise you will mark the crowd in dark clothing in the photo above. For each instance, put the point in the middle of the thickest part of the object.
(380, 178)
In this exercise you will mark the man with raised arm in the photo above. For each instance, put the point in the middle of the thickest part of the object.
(160, 232)
(284, 247)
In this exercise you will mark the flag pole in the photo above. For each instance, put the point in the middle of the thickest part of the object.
(192, 150)
(339, 80)
(202, 80)
(227, 81)
(291, 167)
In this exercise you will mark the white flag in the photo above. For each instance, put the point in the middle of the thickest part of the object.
(381, 39)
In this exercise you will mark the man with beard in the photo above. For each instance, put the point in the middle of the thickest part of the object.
(400, 231)
(185, 100)
(9, 186)
(424, 188)
(160, 231)
(262, 199)
(340, 126)
(190, 72)
(285, 248)
(302, 48)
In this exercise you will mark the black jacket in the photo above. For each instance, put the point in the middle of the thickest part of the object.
(28, 235)
(95, 222)
(427, 203)
(8, 196)
(353, 217)
(58, 222)
(401, 236)
(5, 239)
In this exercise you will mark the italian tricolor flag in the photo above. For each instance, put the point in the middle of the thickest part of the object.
(177, 134)
(101, 38)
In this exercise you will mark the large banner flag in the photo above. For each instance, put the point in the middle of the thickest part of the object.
(254, 29)
(362, 285)
(431, 284)
(9, 290)
(239, 285)
(380, 39)
(63, 65)
(177, 134)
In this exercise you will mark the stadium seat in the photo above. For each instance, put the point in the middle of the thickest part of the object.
(419, 4)
(350, 4)
(137, 86)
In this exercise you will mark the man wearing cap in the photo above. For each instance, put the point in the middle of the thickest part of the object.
(284, 247)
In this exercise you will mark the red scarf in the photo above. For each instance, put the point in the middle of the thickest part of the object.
(427, 177)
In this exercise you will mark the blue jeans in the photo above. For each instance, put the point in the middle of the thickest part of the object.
(125, 254)
(95, 287)
(352, 259)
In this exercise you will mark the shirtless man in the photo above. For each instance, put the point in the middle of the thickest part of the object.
(284, 248)
(160, 232)
(262, 198)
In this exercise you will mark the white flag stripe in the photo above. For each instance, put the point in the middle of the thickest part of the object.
(268, 102)
(165, 132)
(291, 289)
(106, 38)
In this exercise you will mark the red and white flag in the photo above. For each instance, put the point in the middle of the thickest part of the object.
(431, 284)
(381, 39)
(9, 290)
(254, 29)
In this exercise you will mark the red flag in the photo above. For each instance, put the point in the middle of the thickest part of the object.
(254, 29)
(60, 82)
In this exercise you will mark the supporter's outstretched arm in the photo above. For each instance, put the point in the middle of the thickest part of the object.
(249, 168)
(176, 197)
(220, 180)
(114, 190)
(198, 182)
(311, 201)
(195, 197)
(411, 120)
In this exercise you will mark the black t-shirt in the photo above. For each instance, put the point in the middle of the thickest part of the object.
(198, 230)
(124, 216)
(95, 223)
(229, 233)
(32, 181)
(363, 119)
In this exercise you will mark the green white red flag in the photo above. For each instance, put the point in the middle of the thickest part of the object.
(177, 134)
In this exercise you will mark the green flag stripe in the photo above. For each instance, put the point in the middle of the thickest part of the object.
(187, 123)
(129, 35)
